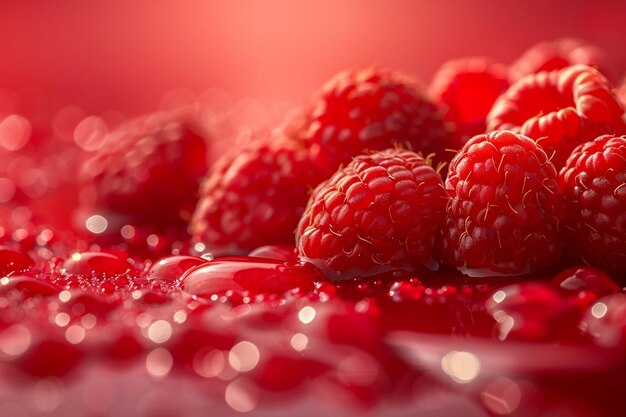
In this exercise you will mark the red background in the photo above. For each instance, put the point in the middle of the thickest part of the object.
(123, 55)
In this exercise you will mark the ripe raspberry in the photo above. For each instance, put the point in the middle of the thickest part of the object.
(504, 214)
(465, 89)
(378, 213)
(594, 184)
(255, 196)
(559, 109)
(371, 109)
(558, 54)
(147, 172)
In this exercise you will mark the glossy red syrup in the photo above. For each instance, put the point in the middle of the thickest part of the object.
(270, 334)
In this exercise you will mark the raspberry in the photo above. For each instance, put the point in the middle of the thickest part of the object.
(558, 54)
(371, 109)
(147, 173)
(254, 196)
(466, 89)
(559, 109)
(504, 213)
(378, 213)
(594, 184)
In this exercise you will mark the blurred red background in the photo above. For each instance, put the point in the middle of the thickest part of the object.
(122, 55)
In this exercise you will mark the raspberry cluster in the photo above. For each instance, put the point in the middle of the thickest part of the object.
(373, 223)
(348, 180)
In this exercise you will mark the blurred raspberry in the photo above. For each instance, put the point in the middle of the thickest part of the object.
(371, 109)
(254, 196)
(146, 172)
(558, 54)
(504, 214)
(559, 109)
(465, 89)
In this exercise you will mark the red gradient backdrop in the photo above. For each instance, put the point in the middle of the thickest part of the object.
(122, 55)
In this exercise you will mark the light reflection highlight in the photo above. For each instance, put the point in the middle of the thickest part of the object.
(15, 340)
(96, 224)
(209, 364)
(159, 362)
(299, 342)
(15, 132)
(244, 356)
(502, 396)
(160, 331)
(75, 334)
(599, 310)
(462, 367)
(241, 396)
(307, 314)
